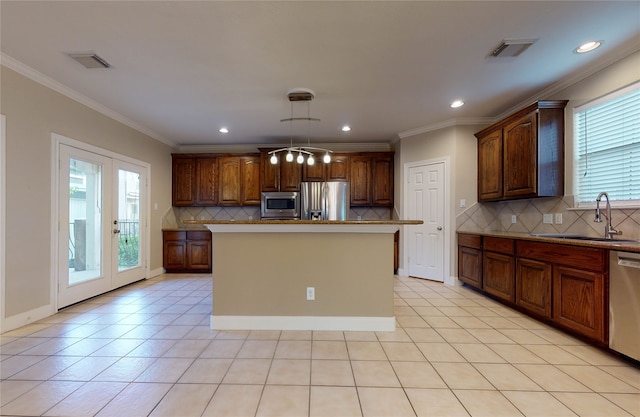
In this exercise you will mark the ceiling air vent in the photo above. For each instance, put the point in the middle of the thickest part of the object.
(89, 59)
(511, 48)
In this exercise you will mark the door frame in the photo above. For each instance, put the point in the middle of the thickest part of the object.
(446, 252)
(3, 216)
(56, 141)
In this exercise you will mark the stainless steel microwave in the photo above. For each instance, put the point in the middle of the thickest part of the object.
(282, 205)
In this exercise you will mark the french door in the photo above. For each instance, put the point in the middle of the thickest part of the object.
(102, 217)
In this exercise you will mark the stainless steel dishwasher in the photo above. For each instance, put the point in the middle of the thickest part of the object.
(624, 303)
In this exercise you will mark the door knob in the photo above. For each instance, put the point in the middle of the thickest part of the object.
(116, 231)
(439, 227)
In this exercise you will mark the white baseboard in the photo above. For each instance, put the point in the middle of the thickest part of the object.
(377, 324)
(402, 272)
(156, 272)
(452, 281)
(28, 317)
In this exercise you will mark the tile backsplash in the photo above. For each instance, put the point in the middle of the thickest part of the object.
(173, 218)
(497, 217)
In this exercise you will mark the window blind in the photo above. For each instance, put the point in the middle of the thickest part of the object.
(607, 137)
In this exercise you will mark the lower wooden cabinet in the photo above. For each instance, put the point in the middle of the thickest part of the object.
(533, 286)
(498, 268)
(579, 301)
(186, 251)
(470, 260)
(564, 285)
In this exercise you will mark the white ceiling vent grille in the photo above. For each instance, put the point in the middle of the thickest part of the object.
(90, 60)
(511, 48)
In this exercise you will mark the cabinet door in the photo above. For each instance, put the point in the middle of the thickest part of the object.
(533, 286)
(206, 180)
(230, 176)
(290, 176)
(199, 255)
(498, 277)
(470, 266)
(315, 172)
(174, 255)
(183, 181)
(579, 301)
(338, 169)
(382, 178)
(270, 180)
(250, 181)
(360, 180)
(520, 157)
(490, 166)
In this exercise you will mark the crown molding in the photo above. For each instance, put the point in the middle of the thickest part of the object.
(32, 74)
(242, 148)
(463, 121)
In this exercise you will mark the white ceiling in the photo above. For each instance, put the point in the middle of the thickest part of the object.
(182, 69)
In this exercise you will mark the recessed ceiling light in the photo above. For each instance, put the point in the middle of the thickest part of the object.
(346, 128)
(587, 47)
(457, 103)
(223, 130)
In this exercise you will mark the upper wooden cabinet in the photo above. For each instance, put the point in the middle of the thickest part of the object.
(522, 156)
(336, 170)
(239, 180)
(194, 180)
(283, 176)
(371, 178)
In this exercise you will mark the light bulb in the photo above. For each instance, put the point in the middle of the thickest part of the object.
(300, 158)
(310, 160)
(274, 159)
(327, 158)
(289, 156)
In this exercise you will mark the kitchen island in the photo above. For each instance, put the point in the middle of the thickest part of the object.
(264, 273)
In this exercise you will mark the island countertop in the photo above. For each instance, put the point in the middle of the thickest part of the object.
(303, 226)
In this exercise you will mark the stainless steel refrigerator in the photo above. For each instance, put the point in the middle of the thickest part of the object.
(324, 200)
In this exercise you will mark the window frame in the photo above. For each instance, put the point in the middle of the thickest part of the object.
(619, 204)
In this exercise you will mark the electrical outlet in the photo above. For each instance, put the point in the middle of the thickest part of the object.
(547, 218)
(463, 203)
(514, 219)
(558, 218)
(311, 293)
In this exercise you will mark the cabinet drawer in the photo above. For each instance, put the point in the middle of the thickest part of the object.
(593, 259)
(174, 235)
(470, 241)
(199, 235)
(498, 244)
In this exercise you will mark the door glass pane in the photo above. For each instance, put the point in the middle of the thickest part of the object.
(128, 219)
(85, 221)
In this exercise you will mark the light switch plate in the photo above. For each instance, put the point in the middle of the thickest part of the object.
(547, 218)
(558, 219)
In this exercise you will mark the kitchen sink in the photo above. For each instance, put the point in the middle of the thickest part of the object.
(582, 237)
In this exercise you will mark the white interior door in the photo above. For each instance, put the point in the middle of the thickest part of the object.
(426, 202)
(102, 224)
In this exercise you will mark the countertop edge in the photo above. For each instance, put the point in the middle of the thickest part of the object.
(617, 246)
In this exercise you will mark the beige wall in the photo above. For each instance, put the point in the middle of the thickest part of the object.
(458, 145)
(611, 78)
(33, 112)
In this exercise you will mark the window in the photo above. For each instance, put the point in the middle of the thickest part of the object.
(607, 147)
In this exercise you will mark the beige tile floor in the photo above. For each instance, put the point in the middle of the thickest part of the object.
(146, 350)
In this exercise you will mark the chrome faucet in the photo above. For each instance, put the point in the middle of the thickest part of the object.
(609, 231)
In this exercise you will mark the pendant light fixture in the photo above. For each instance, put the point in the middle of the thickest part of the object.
(295, 95)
